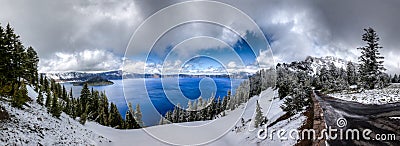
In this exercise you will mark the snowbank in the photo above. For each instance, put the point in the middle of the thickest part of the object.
(377, 96)
(238, 135)
(35, 126)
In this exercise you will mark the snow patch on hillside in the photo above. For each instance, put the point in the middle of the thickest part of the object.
(240, 134)
(317, 64)
(376, 96)
(35, 126)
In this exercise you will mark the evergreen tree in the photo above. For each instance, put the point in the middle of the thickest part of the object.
(324, 78)
(4, 59)
(224, 103)
(299, 97)
(138, 115)
(83, 117)
(94, 105)
(283, 83)
(48, 99)
(41, 81)
(103, 109)
(351, 74)
(175, 114)
(395, 79)
(332, 76)
(371, 61)
(15, 67)
(162, 121)
(85, 96)
(259, 116)
(31, 66)
(341, 82)
(68, 106)
(78, 108)
(168, 116)
(20, 97)
(182, 116)
(190, 111)
(55, 107)
(115, 119)
(130, 118)
(40, 98)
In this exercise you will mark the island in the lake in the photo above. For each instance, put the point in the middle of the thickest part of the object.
(95, 81)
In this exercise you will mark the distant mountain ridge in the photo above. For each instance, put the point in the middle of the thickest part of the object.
(83, 76)
(79, 76)
(312, 64)
(317, 63)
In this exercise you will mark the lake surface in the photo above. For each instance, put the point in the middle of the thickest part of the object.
(157, 96)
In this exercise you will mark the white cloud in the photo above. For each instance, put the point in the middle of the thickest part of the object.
(134, 66)
(86, 60)
(232, 64)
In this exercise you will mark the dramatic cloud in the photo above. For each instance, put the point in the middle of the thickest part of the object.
(62, 30)
(86, 60)
(70, 26)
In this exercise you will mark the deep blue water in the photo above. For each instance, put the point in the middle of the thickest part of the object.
(156, 96)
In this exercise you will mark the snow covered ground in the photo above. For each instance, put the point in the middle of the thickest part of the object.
(200, 133)
(34, 126)
(376, 96)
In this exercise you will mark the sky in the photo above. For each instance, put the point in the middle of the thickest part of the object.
(95, 35)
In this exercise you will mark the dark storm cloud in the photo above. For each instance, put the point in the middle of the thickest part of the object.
(346, 19)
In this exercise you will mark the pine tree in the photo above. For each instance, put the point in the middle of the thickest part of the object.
(46, 84)
(115, 119)
(138, 115)
(103, 107)
(371, 61)
(55, 107)
(68, 106)
(299, 97)
(4, 59)
(395, 79)
(175, 114)
(85, 96)
(200, 103)
(224, 103)
(183, 115)
(259, 116)
(324, 78)
(332, 77)
(130, 118)
(94, 105)
(40, 99)
(168, 117)
(20, 97)
(351, 74)
(78, 108)
(341, 82)
(83, 117)
(15, 67)
(31, 65)
(190, 111)
(162, 121)
(41, 81)
(48, 99)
